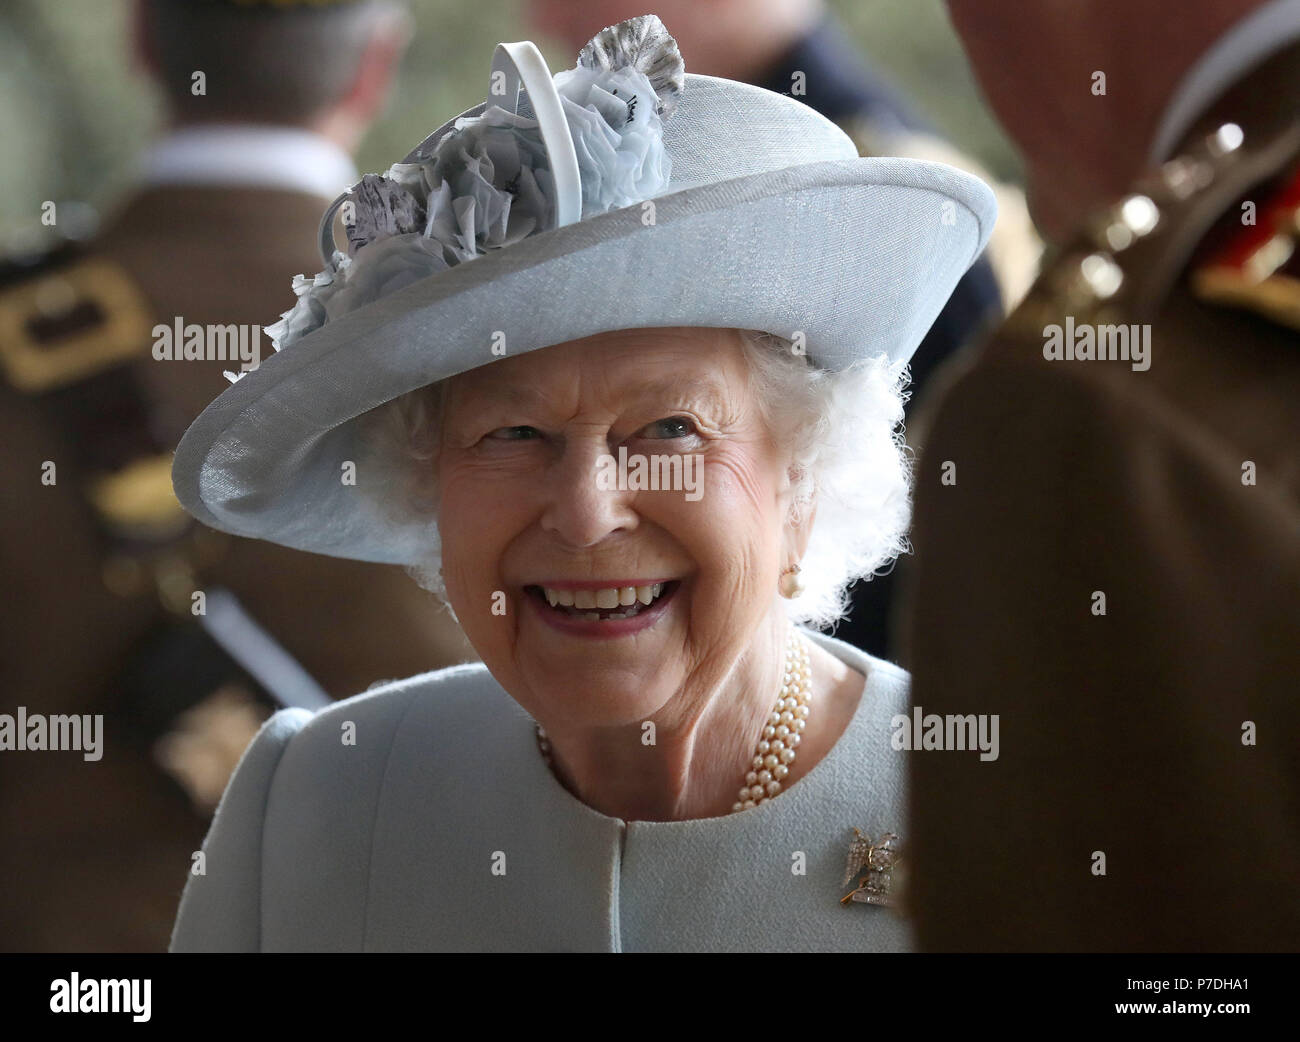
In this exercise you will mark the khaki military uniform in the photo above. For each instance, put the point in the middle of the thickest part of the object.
(1108, 558)
(95, 854)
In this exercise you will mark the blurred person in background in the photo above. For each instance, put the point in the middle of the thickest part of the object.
(799, 48)
(267, 101)
(1106, 525)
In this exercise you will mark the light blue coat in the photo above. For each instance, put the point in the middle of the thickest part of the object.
(442, 829)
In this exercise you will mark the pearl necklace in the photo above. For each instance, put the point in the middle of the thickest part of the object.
(781, 734)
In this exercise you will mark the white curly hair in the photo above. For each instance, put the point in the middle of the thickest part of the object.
(844, 432)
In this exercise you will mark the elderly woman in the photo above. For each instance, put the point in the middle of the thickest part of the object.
(614, 367)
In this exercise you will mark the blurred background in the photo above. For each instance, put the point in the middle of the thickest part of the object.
(74, 115)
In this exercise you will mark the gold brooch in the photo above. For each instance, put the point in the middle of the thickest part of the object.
(874, 870)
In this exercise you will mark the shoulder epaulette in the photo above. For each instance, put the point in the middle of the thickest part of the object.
(67, 315)
(1127, 258)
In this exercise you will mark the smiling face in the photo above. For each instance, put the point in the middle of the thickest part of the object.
(522, 511)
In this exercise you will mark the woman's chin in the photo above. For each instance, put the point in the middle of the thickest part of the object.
(597, 690)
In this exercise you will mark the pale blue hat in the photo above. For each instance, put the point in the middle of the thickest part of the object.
(636, 195)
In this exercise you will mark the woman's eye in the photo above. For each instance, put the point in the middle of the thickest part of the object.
(522, 433)
(669, 429)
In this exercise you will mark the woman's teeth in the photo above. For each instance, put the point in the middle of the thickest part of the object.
(580, 602)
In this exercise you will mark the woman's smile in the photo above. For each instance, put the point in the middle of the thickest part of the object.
(601, 610)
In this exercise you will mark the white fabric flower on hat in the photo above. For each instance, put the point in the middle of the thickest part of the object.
(308, 314)
(488, 182)
(617, 135)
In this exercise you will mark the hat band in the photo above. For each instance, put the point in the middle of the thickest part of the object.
(523, 62)
(513, 65)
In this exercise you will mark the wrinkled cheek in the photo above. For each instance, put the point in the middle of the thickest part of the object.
(482, 520)
(470, 556)
(458, 577)
(737, 486)
(736, 537)
(742, 506)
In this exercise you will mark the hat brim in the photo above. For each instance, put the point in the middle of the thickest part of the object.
(860, 255)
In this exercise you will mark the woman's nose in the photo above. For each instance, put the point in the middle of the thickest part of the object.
(580, 509)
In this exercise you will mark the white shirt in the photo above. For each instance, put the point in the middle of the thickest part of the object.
(246, 154)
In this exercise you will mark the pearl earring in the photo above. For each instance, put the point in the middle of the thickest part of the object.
(790, 584)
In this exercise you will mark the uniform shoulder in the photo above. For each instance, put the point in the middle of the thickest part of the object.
(1219, 217)
(28, 260)
(68, 310)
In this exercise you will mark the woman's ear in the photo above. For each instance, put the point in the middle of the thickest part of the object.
(804, 530)
(798, 529)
